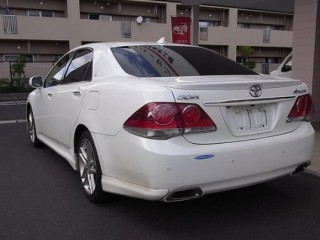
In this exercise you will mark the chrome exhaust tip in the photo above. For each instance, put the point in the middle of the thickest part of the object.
(184, 194)
(301, 167)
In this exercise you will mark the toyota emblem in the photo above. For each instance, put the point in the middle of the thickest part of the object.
(255, 91)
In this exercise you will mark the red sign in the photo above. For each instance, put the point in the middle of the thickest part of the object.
(181, 29)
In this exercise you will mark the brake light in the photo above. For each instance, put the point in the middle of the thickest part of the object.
(301, 110)
(167, 120)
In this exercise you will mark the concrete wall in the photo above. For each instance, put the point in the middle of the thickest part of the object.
(306, 48)
(316, 69)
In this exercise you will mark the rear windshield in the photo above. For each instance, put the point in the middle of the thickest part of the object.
(169, 61)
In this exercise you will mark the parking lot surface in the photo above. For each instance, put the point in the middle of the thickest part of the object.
(42, 198)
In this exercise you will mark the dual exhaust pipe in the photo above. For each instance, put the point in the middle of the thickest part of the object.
(184, 194)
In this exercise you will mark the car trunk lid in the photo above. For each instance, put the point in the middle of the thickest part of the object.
(242, 107)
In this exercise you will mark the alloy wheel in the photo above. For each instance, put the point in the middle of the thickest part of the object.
(87, 166)
(31, 127)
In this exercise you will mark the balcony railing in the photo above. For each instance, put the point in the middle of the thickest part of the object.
(10, 24)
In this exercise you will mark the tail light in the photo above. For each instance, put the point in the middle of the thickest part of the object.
(167, 120)
(301, 110)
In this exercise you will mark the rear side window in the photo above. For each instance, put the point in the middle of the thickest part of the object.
(167, 61)
(80, 68)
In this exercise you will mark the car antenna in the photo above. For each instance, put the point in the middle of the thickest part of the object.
(161, 40)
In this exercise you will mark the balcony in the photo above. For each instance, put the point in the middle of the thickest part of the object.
(248, 37)
(122, 31)
(85, 30)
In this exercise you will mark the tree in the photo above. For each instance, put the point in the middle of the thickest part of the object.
(18, 66)
(17, 69)
(246, 52)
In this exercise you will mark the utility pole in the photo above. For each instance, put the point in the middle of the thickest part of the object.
(6, 8)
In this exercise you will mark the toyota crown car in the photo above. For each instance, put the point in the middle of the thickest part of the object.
(168, 122)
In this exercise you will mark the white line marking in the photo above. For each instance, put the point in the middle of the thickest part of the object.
(13, 121)
(13, 103)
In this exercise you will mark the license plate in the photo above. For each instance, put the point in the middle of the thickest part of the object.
(249, 118)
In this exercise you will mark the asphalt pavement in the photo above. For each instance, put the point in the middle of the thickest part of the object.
(12, 106)
(13, 97)
(41, 198)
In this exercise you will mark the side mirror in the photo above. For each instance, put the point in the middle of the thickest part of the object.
(36, 81)
(286, 68)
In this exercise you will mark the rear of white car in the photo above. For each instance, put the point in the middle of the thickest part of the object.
(174, 122)
(214, 133)
(250, 141)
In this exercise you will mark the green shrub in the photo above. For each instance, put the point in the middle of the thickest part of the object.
(250, 64)
(15, 89)
(19, 85)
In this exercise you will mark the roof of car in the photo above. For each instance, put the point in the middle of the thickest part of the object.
(123, 44)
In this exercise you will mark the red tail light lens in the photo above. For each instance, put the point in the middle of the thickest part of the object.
(167, 120)
(301, 110)
(164, 114)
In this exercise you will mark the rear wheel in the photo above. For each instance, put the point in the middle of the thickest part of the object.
(89, 168)
(32, 130)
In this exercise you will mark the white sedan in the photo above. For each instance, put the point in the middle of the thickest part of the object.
(168, 122)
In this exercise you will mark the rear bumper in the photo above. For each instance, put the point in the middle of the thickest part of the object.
(152, 170)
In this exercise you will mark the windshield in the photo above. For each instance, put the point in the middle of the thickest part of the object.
(169, 61)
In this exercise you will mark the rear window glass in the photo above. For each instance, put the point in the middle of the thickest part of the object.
(169, 61)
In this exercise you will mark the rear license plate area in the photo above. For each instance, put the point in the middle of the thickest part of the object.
(246, 120)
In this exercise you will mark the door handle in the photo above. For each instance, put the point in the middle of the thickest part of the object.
(77, 93)
(50, 95)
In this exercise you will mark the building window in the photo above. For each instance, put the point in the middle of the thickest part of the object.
(39, 13)
(266, 36)
(100, 17)
(243, 25)
(126, 29)
(150, 20)
(203, 31)
(47, 13)
(105, 17)
(12, 58)
(94, 16)
(34, 13)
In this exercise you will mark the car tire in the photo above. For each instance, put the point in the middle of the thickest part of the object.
(89, 168)
(32, 130)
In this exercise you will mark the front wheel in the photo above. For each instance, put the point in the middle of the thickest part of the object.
(89, 168)
(32, 130)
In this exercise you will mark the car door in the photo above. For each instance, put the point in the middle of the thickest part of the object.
(65, 100)
(45, 106)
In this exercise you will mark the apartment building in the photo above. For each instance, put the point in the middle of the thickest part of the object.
(43, 30)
